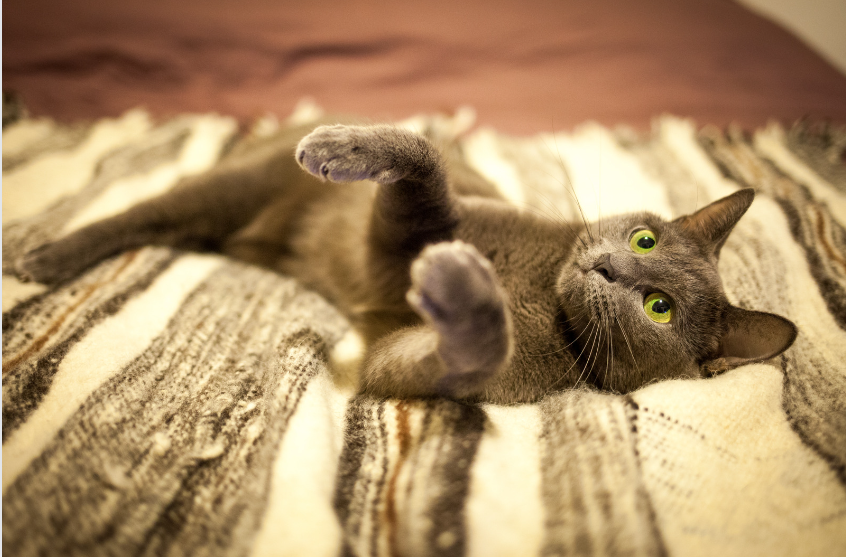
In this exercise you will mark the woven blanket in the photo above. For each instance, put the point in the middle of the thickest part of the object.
(172, 403)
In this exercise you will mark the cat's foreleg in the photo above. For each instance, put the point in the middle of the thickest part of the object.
(467, 336)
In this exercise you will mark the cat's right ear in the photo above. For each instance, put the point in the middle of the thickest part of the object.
(713, 223)
(749, 337)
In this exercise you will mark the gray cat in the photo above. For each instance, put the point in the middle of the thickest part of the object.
(456, 292)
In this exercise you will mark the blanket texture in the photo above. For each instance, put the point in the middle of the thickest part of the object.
(169, 403)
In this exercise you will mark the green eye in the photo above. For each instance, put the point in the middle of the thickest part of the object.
(658, 307)
(643, 241)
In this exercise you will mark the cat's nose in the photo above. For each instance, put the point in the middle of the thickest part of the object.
(604, 267)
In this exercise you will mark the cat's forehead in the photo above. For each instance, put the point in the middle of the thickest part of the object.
(668, 233)
(629, 220)
(679, 272)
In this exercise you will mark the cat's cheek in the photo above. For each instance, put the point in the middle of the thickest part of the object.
(570, 285)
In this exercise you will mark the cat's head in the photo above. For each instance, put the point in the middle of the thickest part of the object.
(645, 300)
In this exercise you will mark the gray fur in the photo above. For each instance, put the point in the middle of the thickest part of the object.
(456, 292)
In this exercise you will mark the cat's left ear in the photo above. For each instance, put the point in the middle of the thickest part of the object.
(751, 336)
(713, 223)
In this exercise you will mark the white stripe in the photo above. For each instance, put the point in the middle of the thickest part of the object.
(482, 152)
(543, 177)
(607, 179)
(104, 351)
(300, 518)
(505, 514)
(23, 134)
(35, 186)
(679, 136)
(750, 487)
(15, 291)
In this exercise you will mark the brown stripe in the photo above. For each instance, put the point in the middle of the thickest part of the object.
(24, 387)
(431, 512)
(378, 491)
(823, 238)
(404, 440)
(188, 524)
(465, 425)
(815, 408)
(356, 444)
(38, 343)
(823, 148)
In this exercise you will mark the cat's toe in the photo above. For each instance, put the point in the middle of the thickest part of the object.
(328, 153)
(32, 267)
(42, 265)
(346, 154)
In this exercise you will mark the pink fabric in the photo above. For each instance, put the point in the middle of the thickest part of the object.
(525, 65)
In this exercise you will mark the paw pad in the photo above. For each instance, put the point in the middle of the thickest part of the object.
(351, 153)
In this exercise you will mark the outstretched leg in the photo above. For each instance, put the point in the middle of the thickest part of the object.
(198, 214)
(467, 336)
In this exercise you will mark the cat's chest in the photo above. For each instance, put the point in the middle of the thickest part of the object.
(527, 255)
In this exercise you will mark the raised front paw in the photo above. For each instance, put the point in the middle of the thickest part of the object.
(455, 290)
(384, 154)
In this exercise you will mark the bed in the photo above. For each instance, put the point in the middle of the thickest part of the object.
(172, 403)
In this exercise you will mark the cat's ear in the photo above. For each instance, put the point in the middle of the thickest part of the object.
(713, 223)
(751, 336)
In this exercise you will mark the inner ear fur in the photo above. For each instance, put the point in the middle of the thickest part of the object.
(713, 223)
(751, 336)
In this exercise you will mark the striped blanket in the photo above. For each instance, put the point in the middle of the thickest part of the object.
(170, 403)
